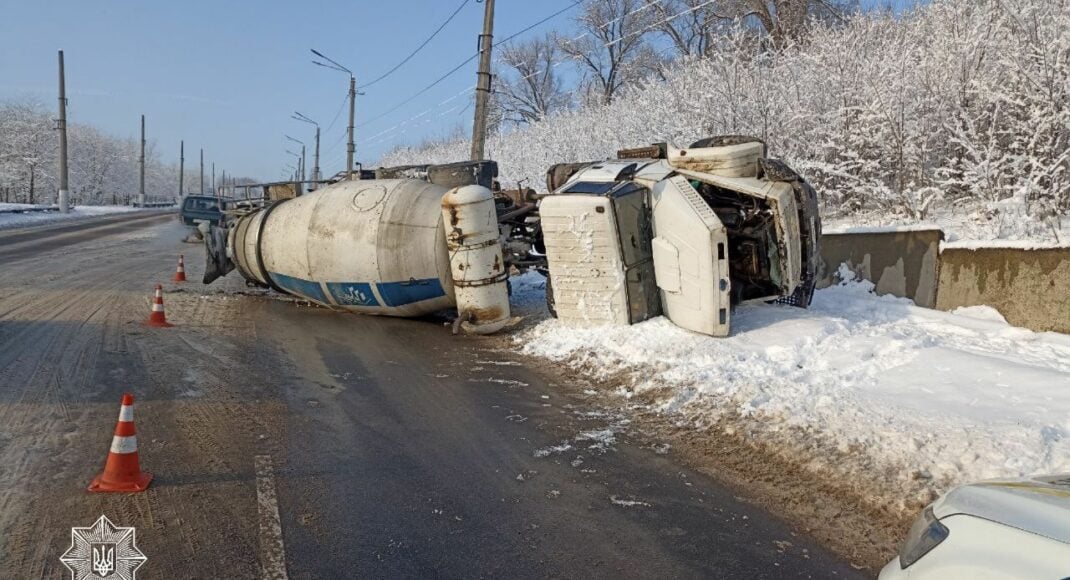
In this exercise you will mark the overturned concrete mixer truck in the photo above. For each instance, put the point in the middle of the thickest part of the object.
(682, 232)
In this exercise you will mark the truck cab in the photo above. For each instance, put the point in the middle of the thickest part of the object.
(687, 233)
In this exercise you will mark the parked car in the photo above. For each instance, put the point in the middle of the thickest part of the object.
(202, 208)
(1017, 528)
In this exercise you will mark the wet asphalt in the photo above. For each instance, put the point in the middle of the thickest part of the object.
(399, 450)
(437, 456)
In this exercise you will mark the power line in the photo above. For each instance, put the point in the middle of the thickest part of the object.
(419, 48)
(336, 115)
(466, 61)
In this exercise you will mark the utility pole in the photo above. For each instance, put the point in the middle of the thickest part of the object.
(61, 125)
(214, 192)
(351, 147)
(202, 171)
(486, 42)
(181, 168)
(141, 168)
(316, 163)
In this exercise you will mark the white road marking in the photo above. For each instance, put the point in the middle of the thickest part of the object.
(272, 550)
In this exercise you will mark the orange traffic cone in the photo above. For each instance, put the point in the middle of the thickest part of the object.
(122, 471)
(180, 272)
(158, 318)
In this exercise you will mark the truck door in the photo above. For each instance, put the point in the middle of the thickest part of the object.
(690, 258)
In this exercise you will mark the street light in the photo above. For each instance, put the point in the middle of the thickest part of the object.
(316, 159)
(333, 65)
(302, 144)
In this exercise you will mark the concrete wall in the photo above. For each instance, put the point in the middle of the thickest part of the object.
(1030, 288)
(904, 264)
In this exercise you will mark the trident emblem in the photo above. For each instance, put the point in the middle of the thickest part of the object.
(103, 550)
(103, 559)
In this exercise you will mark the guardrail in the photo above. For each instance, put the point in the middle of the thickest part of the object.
(34, 209)
(156, 204)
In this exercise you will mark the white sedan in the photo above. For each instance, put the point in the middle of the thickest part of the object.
(991, 529)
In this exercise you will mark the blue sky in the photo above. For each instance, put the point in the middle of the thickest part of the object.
(226, 76)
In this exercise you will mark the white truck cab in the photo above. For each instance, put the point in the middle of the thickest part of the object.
(682, 232)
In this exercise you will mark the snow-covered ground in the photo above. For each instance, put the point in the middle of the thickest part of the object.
(1012, 225)
(858, 386)
(20, 220)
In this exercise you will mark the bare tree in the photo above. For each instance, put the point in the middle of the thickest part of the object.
(534, 89)
(614, 51)
(691, 25)
(785, 21)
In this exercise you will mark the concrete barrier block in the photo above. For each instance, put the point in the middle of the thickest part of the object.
(903, 263)
(1029, 287)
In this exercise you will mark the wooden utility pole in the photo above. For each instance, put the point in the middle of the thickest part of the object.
(61, 125)
(486, 43)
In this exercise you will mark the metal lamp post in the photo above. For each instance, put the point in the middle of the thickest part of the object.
(316, 157)
(333, 65)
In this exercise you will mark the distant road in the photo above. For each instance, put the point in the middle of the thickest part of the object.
(22, 243)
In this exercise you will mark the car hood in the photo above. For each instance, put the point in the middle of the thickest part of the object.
(1040, 504)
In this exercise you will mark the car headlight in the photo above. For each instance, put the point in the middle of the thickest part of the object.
(926, 534)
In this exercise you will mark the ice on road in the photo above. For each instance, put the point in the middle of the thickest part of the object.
(863, 387)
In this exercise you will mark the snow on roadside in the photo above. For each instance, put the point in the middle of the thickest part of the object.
(861, 386)
(20, 220)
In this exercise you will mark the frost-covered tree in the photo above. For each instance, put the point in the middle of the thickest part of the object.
(613, 51)
(956, 106)
(102, 168)
(533, 88)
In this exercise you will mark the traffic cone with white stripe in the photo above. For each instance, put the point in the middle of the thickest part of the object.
(122, 471)
(157, 317)
(180, 272)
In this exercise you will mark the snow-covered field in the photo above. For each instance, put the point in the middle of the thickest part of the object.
(871, 389)
(19, 220)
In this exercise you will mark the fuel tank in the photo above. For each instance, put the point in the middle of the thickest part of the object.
(374, 247)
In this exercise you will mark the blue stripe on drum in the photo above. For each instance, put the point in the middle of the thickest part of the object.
(352, 293)
(402, 293)
(303, 288)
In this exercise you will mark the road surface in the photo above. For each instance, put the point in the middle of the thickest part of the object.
(291, 441)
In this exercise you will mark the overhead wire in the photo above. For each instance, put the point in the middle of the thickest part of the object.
(466, 61)
(404, 126)
(373, 139)
(419, 48)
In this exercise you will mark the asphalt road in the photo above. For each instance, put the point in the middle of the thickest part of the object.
(388, 448)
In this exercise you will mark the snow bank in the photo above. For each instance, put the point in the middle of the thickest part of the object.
(845, 229)
(1006, 244)
(860, 386)
(19, 220)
